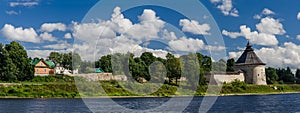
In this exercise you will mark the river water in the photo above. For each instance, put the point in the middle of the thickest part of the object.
(288, 103)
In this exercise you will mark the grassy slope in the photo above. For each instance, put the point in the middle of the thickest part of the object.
(65, 87)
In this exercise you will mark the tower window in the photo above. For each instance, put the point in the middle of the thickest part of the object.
(258, 74)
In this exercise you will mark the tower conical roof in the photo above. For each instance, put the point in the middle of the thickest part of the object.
(249, 57)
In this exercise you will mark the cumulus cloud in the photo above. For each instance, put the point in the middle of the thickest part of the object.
(298, 37)
(169, 35)
(271, 26)
(43, 53)
(118, 22)
(149, 27)
(265, 12)
(68, 36)
(118, 34)
(50, 27)
(254, 36)
(62, 45)
(286, 55)
(194, 27)
(191, 45)
(187, 44)
(298, 16)
(19, 33)
(47, 37)
(27, 3)
(267, 29)
(226, 7)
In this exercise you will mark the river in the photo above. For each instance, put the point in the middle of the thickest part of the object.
(286, 103)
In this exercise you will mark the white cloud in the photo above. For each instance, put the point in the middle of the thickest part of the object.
(267, 29)
(48, 37)
(59, 46)
(90, 32)
(298, 16)
(25, 3)
(68, 36)
(20, 34)
(118, 22)
(194, 27)
(169, 35)
(298, 37)
(149, 26)
(231, 34)
(226, 7)
(257, 17)
(191, 45)
(283, 56)
(50, 27)
(254, 36)
(271, 26)
(264, 13)
(100, 37)
(43, 53)
(267, 11)
(12, 12)
(187, 44)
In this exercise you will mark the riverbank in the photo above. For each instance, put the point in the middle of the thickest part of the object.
(66, 87)
(69, 90)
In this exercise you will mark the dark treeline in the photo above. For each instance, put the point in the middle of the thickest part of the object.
(282, 75)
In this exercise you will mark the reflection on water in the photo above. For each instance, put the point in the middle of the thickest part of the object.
(268, 103)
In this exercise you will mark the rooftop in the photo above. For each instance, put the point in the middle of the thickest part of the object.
(249, 57)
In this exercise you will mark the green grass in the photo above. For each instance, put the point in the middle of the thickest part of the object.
(66, 87)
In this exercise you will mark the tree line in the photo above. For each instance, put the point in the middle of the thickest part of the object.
(147, 66)
(14, 63)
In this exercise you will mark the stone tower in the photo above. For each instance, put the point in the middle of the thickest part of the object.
(252, 66)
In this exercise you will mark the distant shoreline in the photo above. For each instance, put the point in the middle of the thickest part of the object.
(176, 96)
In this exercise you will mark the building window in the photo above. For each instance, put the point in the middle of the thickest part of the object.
(45, 70)
(258, 74)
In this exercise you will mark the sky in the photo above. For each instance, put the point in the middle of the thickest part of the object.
(98, 27)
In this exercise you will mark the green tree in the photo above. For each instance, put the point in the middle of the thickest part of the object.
(202, 79)
(230, 65)
(76, 61)
(148, 58)
(298, 73)
(191, 69)
(219, 66)
(286, 75)
(173, 66)
(8, 70)
(56, 58)
(271, 75)
(105, 63)
(207, 64)
(140, 69)
(67, 60)
(19, 58)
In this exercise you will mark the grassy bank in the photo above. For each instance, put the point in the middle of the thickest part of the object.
(65, 87)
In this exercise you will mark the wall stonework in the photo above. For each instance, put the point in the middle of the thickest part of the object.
(221, 78)
(254, 74)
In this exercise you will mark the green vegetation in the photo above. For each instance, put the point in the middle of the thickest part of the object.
(14, 63)
(60, 86)
(67, 60)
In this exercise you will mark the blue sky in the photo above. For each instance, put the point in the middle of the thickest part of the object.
(43, 26)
